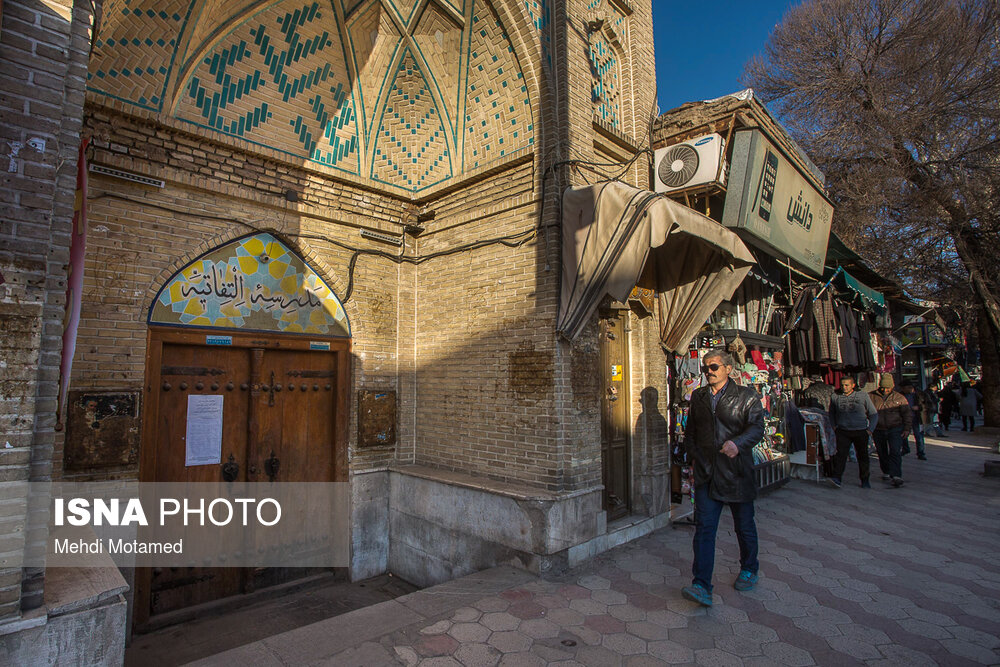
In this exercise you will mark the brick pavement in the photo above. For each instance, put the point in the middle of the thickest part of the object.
(853, 576)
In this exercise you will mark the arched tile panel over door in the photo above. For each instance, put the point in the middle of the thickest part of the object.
(249, 333)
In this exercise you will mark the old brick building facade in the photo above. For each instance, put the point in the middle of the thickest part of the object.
(401, 151)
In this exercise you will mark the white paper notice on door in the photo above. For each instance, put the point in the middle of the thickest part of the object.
(204, 430)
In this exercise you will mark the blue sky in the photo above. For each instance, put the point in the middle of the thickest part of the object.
(701, 47)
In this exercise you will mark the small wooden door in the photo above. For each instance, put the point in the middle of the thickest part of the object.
(284, 420)
(615, 430)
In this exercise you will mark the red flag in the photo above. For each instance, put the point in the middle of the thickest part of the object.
(74, 281)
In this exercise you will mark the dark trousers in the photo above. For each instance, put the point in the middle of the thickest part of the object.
(968, 422)
(706, 516)
(918, 437)
(845, 439)
(889, 445)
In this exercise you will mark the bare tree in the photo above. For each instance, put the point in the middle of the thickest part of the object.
(899, 103)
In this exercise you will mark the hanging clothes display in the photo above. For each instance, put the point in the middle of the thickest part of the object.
(812, 335)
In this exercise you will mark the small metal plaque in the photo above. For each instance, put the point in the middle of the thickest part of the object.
(102, 430)
(377, 418)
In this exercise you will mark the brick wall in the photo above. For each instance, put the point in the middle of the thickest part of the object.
(466, 338)
(43, 56)
(485, 343)
(140, 235)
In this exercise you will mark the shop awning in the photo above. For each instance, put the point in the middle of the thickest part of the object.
(872, 299)
(614, 235)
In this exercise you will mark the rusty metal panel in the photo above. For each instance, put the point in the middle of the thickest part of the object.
(102, 430)
(376, 418)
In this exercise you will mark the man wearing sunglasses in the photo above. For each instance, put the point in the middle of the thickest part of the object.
(725, 421)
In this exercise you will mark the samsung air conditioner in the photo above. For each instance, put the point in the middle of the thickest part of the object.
(690, 163)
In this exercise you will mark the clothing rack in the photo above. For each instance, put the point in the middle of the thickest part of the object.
(815, 297)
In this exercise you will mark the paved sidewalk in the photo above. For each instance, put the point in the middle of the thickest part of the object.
(907, 576)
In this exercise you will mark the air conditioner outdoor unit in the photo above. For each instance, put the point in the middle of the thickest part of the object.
(690, 163)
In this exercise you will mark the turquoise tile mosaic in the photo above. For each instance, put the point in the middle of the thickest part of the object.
(443, 87)
(410, 143)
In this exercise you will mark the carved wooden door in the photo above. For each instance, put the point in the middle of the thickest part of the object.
(284, 417)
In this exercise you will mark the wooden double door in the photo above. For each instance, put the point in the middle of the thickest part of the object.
(284, 417)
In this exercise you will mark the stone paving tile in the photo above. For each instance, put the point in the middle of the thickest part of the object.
(670, 651)
(786, 654)
(473, 655)
(510, 642)
(739, 646)
(443, 661)
(624, 644)
(971, 651)
(469, 632)
(849, 577)
(598, 656)
(522, 659)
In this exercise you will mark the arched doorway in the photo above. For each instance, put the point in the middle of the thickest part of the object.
(252, 335)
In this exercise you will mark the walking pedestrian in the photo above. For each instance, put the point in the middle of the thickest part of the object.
(948, 405)
(854, 418)
(968, 405)
(933, 403)
(725, 421)
(893, 427)
(916, 400)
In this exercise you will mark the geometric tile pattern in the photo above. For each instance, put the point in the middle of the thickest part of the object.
(407, 92)
(439, 39)
(410, 144)
(134, 49)
(374, 39)
(539, 15)
(498, 110)
(605, 63)
(253, 283)
(280, 79)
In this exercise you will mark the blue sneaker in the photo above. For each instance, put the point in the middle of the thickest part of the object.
(745, 581)
(697, 593)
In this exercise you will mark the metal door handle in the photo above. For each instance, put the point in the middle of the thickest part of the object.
(230, 469)
(271, 465)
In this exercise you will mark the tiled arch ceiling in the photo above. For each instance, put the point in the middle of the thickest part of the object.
(405, 93)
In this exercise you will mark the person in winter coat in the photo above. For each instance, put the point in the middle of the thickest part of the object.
(917, 405)
(893, 428)
(968, 404)
(854, 417)
(932, 418)
(948, 405)
(725, 421)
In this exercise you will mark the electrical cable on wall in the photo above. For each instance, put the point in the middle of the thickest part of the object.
(511, 241)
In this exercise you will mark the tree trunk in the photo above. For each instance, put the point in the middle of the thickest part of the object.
(990, 385)
(967, 247)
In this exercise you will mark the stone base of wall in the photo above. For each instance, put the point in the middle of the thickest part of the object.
(369, 524)
(444, 525)
(85, 623)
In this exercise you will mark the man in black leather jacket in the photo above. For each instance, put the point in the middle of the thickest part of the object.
(725, 421)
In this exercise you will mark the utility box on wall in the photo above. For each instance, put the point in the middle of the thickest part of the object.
(102, 430)
(376, 418)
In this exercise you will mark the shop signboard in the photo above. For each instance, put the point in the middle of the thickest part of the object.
(935, 335)
(775, 203)
(912, 336)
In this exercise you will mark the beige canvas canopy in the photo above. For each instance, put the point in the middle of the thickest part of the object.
(616, 236)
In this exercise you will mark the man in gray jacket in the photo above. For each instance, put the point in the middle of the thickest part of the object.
(854, 417)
